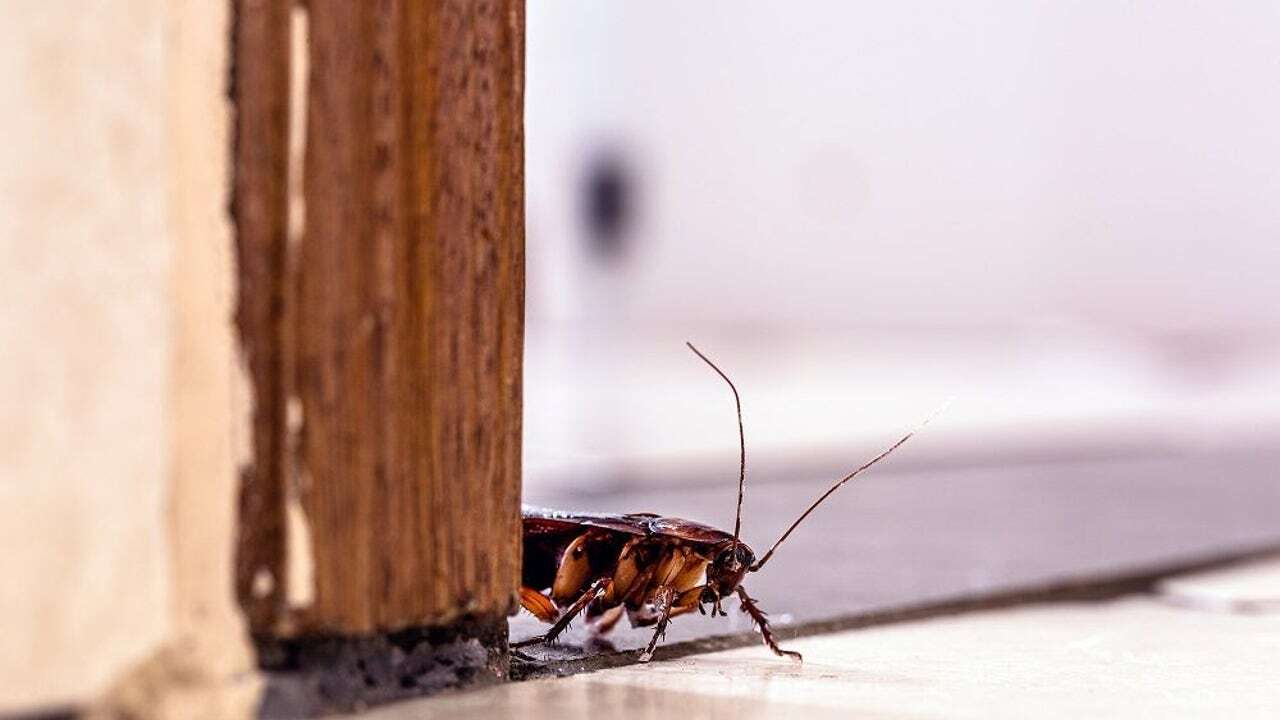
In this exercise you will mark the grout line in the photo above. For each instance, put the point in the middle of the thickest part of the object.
(623, 477)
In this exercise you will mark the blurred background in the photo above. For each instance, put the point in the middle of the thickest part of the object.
(1062, 214)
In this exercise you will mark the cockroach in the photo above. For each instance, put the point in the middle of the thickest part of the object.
(650, 567)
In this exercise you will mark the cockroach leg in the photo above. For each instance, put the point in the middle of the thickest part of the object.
(562, 623)
(596, 589)
(677, 611)
(635, 596)
(540, 605)
(601, 619)
(574, 570)
(662, 599)
(717, 607)
(708, 597)
(761, 620)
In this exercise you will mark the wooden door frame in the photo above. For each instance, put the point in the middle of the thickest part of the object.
(383, 340)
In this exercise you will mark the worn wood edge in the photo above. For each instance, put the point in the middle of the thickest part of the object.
(258, 78)
(1097, 587)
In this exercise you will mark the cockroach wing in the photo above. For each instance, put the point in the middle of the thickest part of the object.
(544, 521)
(541, 527)
(688, 530)
(548, 533)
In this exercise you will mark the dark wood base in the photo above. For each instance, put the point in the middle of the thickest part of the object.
(312, 676)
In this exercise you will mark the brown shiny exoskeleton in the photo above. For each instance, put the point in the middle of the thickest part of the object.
(649, 567)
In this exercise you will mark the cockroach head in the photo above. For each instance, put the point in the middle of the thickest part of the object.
(731, 563)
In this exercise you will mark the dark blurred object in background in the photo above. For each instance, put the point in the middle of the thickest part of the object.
(608, 201)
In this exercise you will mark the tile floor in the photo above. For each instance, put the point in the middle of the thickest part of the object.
(1141, 656)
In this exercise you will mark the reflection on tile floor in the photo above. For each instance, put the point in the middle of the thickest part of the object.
(1134, 657)
(898, 539)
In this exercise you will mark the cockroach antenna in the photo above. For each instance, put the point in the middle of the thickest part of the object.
(742, 443)
(700, 565)
(847, 478)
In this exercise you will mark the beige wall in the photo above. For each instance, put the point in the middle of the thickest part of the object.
(116, 354)
(83, 343)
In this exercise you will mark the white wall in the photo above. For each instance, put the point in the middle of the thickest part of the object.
(857, 164)
(1062, 213)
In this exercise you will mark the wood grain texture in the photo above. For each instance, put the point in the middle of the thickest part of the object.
(405, 360)
(260, 95)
